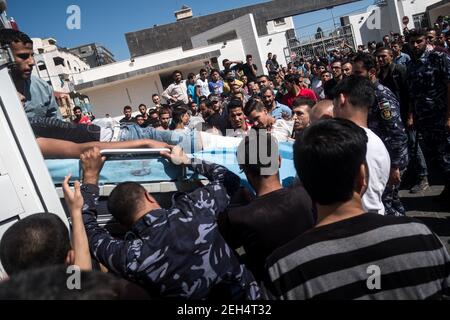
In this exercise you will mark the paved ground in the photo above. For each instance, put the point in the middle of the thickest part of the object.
(433, 214)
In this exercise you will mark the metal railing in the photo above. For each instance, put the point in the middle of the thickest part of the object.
(321, 43)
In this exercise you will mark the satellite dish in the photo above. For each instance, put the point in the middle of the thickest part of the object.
(2, 6)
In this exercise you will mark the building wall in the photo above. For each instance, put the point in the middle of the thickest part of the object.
(274, 43)
(443, 10)
(246, 31)
(410, 8)
(233, 50)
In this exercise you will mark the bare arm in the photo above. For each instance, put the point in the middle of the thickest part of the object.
(80, 243)
(61, 149)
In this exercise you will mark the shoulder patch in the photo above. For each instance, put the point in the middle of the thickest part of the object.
(386, 114)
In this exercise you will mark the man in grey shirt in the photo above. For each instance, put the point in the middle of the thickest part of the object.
(40, 101)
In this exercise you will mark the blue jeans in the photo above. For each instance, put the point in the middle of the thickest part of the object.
(189, 141)
(416, 155)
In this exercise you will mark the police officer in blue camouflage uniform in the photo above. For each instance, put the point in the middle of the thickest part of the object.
(385, 120)
(429, 86)
(176, 253)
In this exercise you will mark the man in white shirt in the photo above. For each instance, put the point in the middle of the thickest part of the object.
(177, 91)
(354, 96)
(203, 83)
(261, 119)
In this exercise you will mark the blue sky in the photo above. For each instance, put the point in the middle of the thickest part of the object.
(106, 22)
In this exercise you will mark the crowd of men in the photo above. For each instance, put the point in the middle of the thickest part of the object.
(359, 122)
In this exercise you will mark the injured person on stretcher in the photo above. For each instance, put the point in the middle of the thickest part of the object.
(62, 140)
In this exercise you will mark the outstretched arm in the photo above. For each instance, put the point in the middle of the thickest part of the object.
(61, 149)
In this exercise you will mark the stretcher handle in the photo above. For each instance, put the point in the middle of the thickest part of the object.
(118, 152)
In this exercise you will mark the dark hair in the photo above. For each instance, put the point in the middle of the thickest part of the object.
(177, 72)
(265, 89)
(139, 116)
(155, 95)
(359, 90)
(234, 104)
(417, 33)
(124, 202)
(391, 52)
(327, 157)
(258, 151)
(252, 105)
(191, 76)
(249, 56)
(303, 102)
(293, 78)
(127, 108)
(142, 105)
(153, 111)
(203, 71)
(51, 283)
(368, 61)
(8, 36)
(177, 115)
(214, 71)
(76, 109)
(165, 111)
(37, 241)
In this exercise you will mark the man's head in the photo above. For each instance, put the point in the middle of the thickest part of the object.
(385, 57)
(128, 202)
(364, 65)
(258, 156)
(257, 113)
(164, 117)
(216, 103)
(293, 82)
(127, 112)
(203, 74)
(301, 110)
(347, 69)
(156, 99)
(264, 82)
(143, 109)
(431, 37)
(353, 94)
(78, 113)
(140, 120)
(321, 111)
(249, 59)
(236, 115)
(397, 47)
(191, 78)
(177, 76)
(215, 75)
(386, 39)
(268, 96)
(336, 69)
(37, 241)
(325, 77)
(270, 56)
(206, 109)
(330, 161)
(180, 116)
(22, 48)
(418, 43)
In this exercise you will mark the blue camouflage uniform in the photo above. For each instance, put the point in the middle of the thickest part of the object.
(385, 120)
(179, 252)
(428, 79)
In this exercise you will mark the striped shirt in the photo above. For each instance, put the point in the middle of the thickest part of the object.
(368, 257)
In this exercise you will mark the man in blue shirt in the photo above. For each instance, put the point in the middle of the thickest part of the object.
(399, 56)
(276, 109)
(40, 100)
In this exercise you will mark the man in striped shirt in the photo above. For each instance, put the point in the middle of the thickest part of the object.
(351, 254)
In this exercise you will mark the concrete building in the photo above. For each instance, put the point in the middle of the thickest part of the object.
(58, 66)
(93, 54)
(387, 16)
(441, 8)
(187, 45)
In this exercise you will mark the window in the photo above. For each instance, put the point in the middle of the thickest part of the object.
(279, 22)
(420, 21)
(42, 67)
(41, 51)
(58, 61)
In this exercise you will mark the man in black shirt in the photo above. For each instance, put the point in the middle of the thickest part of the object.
(277, 216)
(127, 112)
(250, 69)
